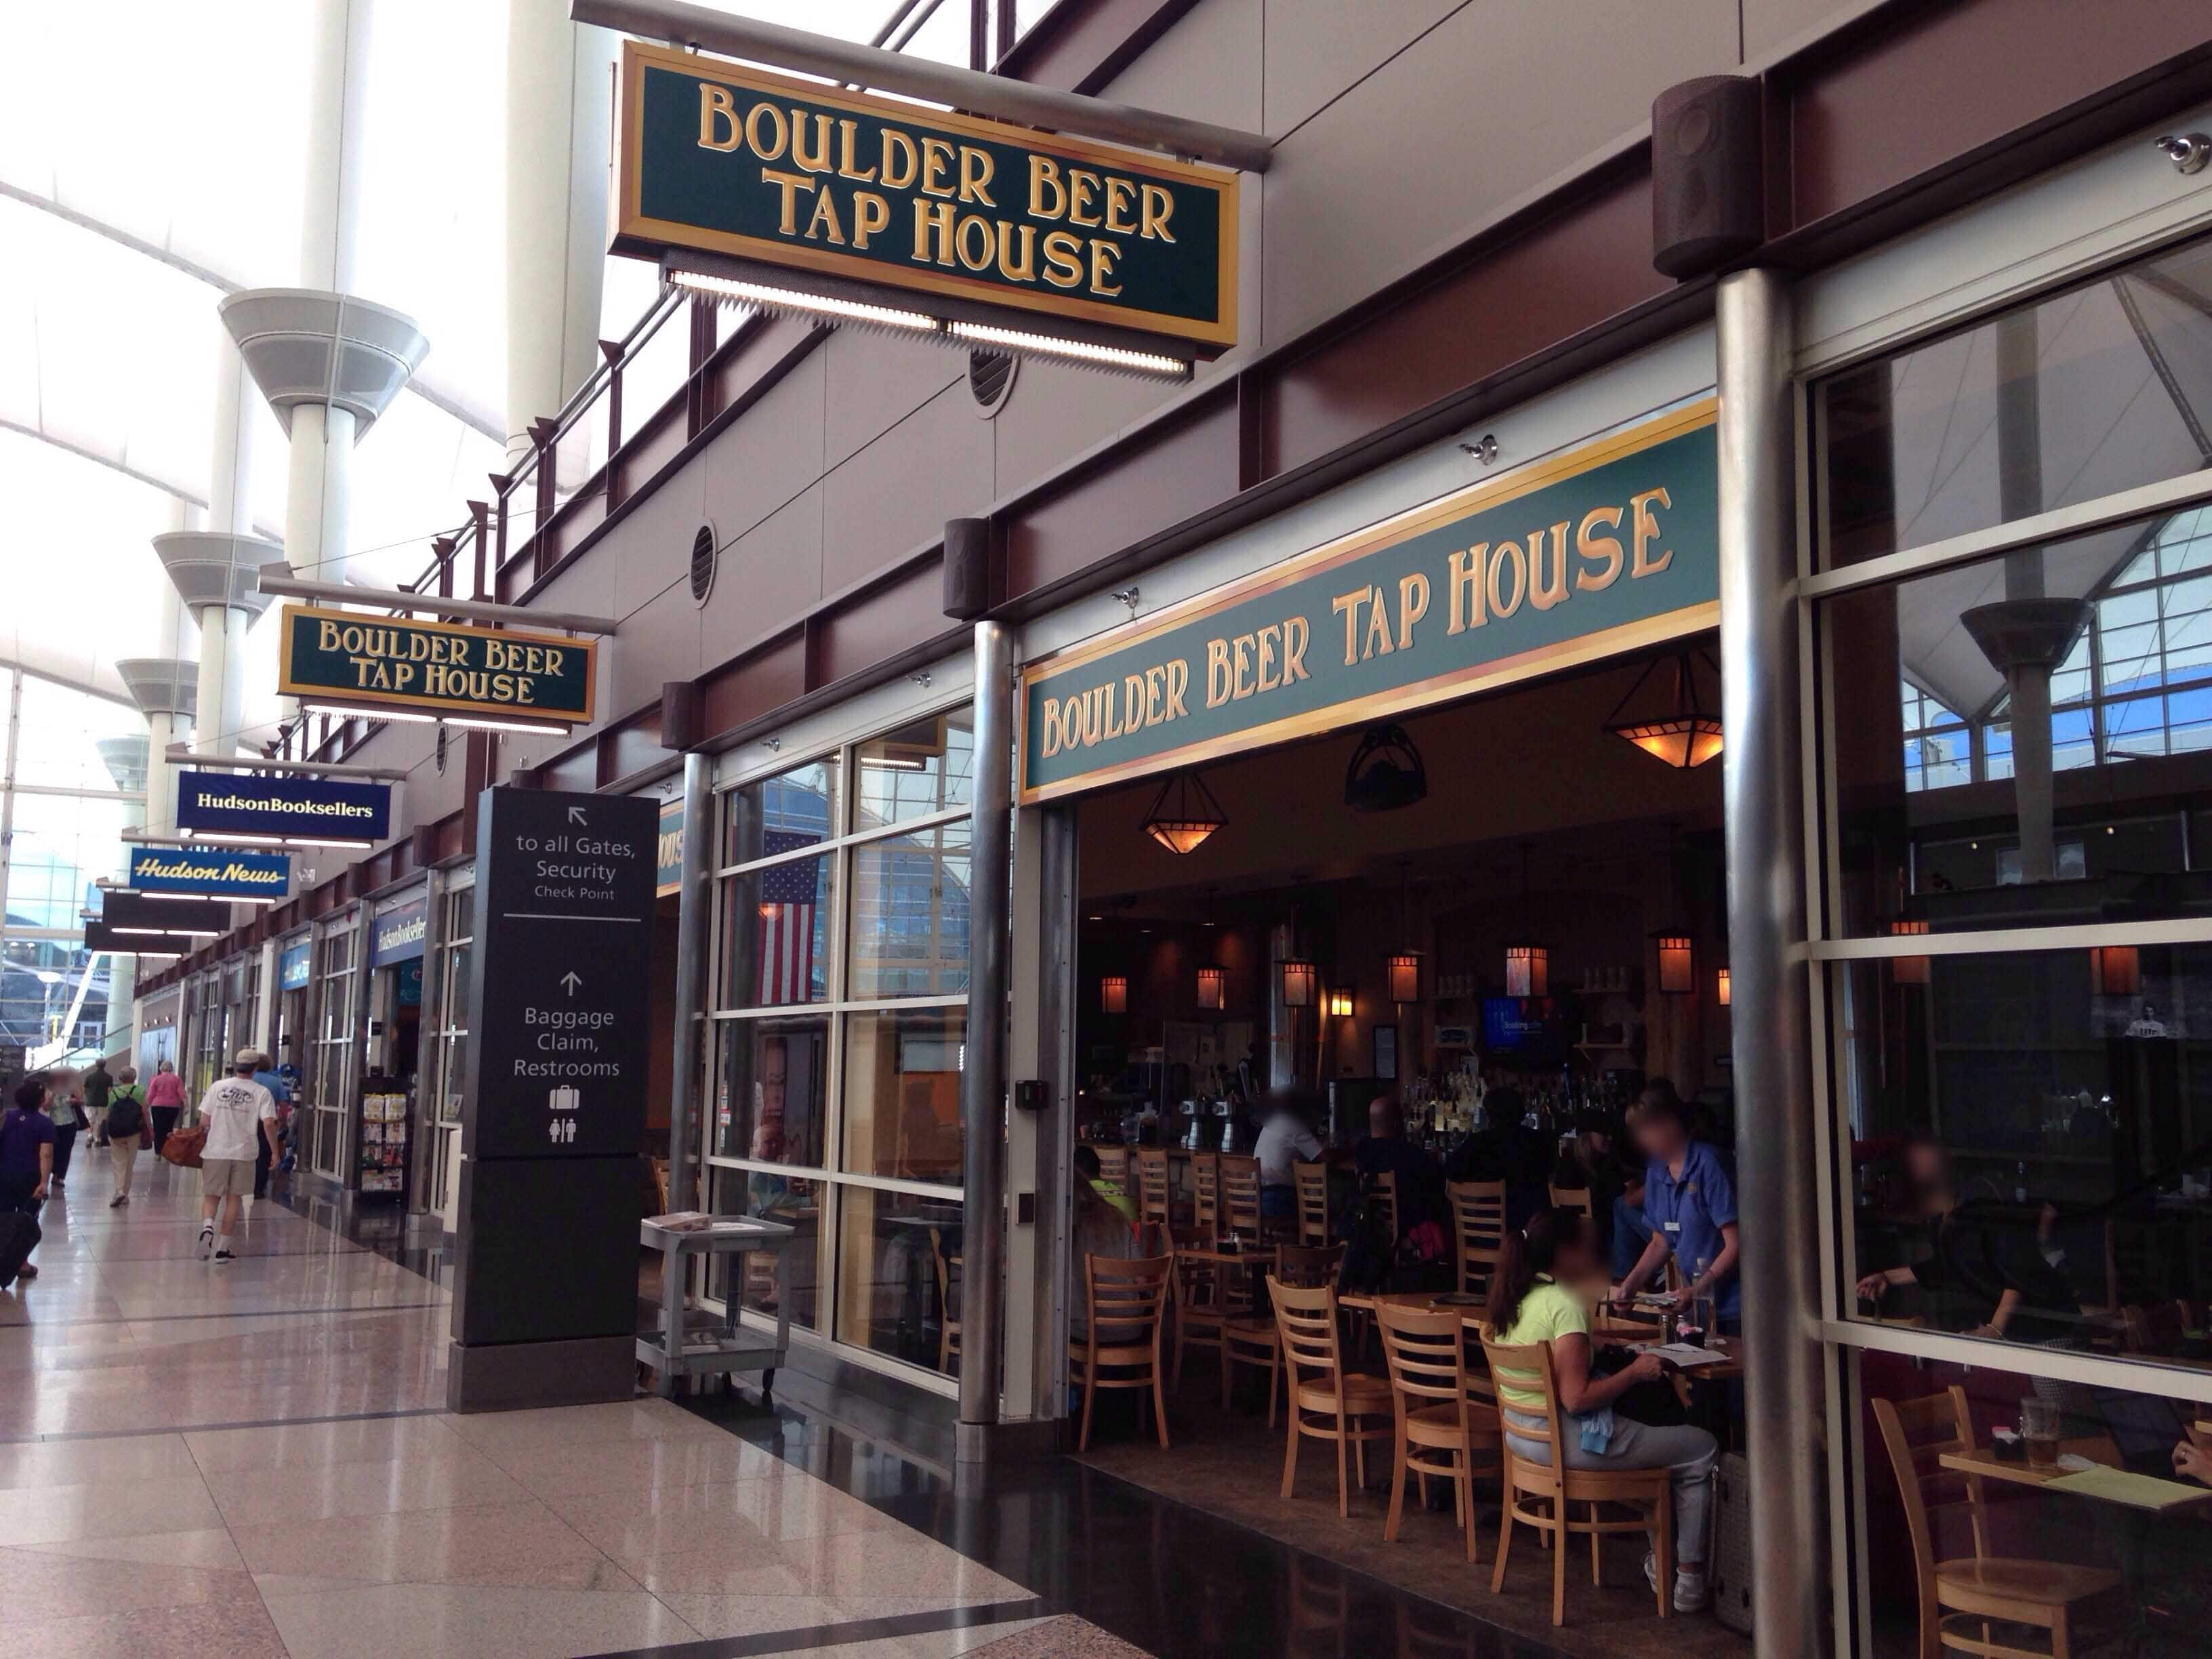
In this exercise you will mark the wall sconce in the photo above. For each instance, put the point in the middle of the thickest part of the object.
(1114, 994)
(1340, 1005)
(1721, 986)
(1911, 970)
(2115, 971)
(1528, 970)
(1405, 977)
(1301, 979)
(1677, 967)
(1212, 982)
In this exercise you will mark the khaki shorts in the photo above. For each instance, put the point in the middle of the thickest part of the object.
(227, 1177)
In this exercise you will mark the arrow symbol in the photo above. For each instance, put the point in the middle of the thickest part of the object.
(570, 980)
(576, 815)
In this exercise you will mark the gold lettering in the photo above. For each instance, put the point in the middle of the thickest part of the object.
(1112, 728)
(1120, 196)
(1602, 551)
(1053, 728)
(1217, 673)
(1178, 683)
(1102, 256)
(1646, 532)
(1132, 694)
(825, 218)
(871, 214)
(848, 141)
(1466, 567)
(1346, 605)
(327, 636)
(1023, 269)
(899, 148)
(1156, 686)
(978, 261)
(933, 225)
(975, 171)
(716, 105)
(1412, 605)
(1498, 608)
(936, 159)
(553, 657)
(768, 150)
(1063, 258)
(1045, 186)
(1157, 208)
(1545, 592)
(1294, 649)
(1378, 630)
(790, 183)
(1240, 652)
(1269, 638)
(1082, 187)
(819, 160)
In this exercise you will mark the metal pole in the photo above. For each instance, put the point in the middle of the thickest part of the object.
(997, 95)
(8, 804)
(1762, 784)
(695, 917)
(983, 1069)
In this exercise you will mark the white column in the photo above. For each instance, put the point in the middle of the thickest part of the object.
(559, 112)
(318, 496)
(330, 215)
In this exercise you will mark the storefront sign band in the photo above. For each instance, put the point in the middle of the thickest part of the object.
(446, 668)
(1609, 548)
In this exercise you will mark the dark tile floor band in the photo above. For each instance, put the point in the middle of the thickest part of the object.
(808, 1637)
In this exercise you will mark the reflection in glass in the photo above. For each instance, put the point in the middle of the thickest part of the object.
(2033, 1145)
(2095, 390)
(911, 915)
(1944, 808)
(898, 1276)
(775, 814)
(767, 1280)
(775, 1084)
(902, 1094)
(915, 771)
(775, 933)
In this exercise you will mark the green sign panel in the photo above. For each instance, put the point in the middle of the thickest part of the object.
(1605, 549)
(386, 664)
(947, 216)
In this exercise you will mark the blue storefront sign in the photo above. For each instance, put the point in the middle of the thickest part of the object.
(668, 858)
(292, 967)
(398, 935)
(235, 872)
(284, 808)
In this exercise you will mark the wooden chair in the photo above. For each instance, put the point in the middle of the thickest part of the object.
(1382, 1202)
(948, 1322)
(1252, 1339)
(1205, 1194)
(1478, 1210)
(1342, 1402)
(1573, 1198)
(1154, 1187)
(1960, 1598)
(1240, 1195)
(1114, 1165)
(1310, 1180)
(1528, 1371)
(1201, 1309)
(1439, 1415)
(1123, 1304)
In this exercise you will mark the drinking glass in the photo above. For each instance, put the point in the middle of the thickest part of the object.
(2039, 1427)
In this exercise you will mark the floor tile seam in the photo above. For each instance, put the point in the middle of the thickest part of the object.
(252, 1313)
(812, 1638)
(564, 1521)
(68, 1437)
(354, 1586)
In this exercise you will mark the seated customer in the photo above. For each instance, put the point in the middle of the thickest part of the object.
(1385, 1150)
(1591, 1164)
(1530, 1303)
(1287, 1137)
(1088, 1171)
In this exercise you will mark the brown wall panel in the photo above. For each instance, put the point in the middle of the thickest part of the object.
(1176, 473)
(901, 614)
(1591, 263)
(578, 769)
(1955, 77)
(752, 355)
(1081, 43)
(756, 683)
(631, 748)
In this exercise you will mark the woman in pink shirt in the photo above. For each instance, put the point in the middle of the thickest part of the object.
(165, 1098)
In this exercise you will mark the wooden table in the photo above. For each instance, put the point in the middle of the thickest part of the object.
(1984, 1461)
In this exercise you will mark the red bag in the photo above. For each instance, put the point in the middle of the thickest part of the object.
(184, 1146)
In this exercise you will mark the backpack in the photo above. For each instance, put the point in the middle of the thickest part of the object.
(126, 1112)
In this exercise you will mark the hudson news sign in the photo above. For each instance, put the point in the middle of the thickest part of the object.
(444, 668)
(1604, 548)
(946, 213)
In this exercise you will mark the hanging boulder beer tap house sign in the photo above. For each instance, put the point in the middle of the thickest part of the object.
(790, 195)
(344, 662)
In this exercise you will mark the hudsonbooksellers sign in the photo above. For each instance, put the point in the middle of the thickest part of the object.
(284, 808)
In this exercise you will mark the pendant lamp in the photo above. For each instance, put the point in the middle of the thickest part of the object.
(1212, 982)
(1721, 986)
(1386, 773)
(1114, 994)
(1677, 969)
(1300, 980)
(1908, 970)
(1528, 971)
(1683, 735)
(2115, 970)
(1184, 813)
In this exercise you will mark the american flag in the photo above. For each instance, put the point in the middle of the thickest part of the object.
(787, 910)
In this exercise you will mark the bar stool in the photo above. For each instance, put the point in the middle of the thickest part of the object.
(1478, 1210)
(1342, 1402)
(1123, 1304)
(1438, 1411)
(1310, 1180)
(1573, 1198)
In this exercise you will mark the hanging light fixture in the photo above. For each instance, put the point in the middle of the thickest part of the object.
(2115, 971)
(1528, 971)
(1212, 982)
(1184, 813)
(1300, 980)
(1386, 772)
(1677, 965)
(1405, 977)
(1908, 970)
(1721, 986)
(1340, 1005)
(1114, 994)
(1684, 736)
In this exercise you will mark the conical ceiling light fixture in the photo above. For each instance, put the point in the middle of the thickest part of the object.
(1386, 772)
(1684, 736)
(1184, 813)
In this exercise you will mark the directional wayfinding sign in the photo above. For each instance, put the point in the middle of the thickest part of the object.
(557, 1017)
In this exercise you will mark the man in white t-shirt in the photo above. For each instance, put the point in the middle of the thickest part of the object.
(237, 1111)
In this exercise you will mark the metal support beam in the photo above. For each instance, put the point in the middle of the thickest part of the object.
(997, 95)
(399, 598)
(695, 920)
(8, 799)
(183, 756)
(1762, 789)
(983, 1071)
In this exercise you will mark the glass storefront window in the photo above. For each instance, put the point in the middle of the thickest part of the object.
(898, 1281)
(791, 810)
(771, 1103)
(450, 1034)
(775, 933)
(902, 1094)
(2075, 397)
(910, 908)
(914, 772)
(767, 1282)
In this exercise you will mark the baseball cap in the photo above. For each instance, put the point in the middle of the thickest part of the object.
(246, 1057)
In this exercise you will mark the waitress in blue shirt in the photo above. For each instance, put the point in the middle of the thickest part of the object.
(1690, 1201)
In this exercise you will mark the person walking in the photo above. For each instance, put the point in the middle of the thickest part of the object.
(98, 1087)
(269, 1151)
(127, 1125)
(26, 1155)
(165, 1098)
(239, 1113)
(65, 1100)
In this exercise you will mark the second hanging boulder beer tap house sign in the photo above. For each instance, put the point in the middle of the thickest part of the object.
(787, 194)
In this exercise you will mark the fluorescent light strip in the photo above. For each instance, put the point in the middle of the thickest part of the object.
(197, 898)
(171, 933)
(476, 724)
(1079, 351)
(305, 840)
(755, 294)
(348, 712)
